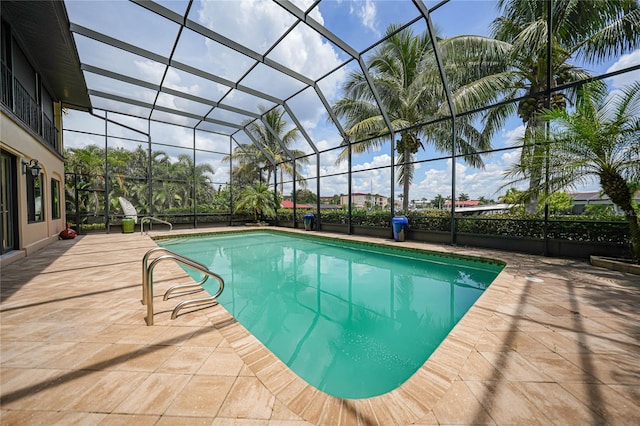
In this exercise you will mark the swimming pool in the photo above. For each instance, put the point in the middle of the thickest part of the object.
(353, 320)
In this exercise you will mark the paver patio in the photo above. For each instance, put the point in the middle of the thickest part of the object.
(552, 341)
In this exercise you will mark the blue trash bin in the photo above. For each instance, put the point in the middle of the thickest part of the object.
(308, 221)
(400, 225)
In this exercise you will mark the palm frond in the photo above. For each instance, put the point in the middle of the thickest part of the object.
(626, 105)
(532, 38)
(485, 90)
(620, 35)
(494, 119)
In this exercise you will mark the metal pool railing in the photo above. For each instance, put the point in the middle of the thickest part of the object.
(147, 281)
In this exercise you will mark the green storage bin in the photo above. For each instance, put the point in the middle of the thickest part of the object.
(128, 225)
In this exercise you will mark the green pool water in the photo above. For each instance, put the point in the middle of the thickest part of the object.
(352, 320)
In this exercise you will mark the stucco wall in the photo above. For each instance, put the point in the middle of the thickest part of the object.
(17, 140)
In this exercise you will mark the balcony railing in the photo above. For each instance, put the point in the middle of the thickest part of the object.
(18, 100)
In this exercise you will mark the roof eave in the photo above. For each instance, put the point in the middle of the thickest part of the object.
(42, 30)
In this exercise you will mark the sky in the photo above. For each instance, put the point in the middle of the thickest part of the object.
(257, 25)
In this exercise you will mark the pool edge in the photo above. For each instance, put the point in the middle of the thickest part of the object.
(342, 238)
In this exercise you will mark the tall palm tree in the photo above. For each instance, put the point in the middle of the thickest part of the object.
(404, 74)
(600, 139)
(513, 63)
(249, 154)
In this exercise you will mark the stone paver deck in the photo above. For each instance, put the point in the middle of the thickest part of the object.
(552, 341)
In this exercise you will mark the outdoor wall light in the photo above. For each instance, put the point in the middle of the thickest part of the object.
(33, 166)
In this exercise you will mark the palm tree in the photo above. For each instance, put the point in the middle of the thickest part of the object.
(512, 196)
(249, 154)
(257, 199)
(247, 165)
(404, 73)
(88, 163)
(600, 139)
(514, 62)
(184, 171)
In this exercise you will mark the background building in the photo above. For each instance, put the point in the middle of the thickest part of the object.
(365, 201)
(581, 200)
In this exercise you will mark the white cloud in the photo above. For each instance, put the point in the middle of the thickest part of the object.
(377, 161)
(306, 52)
(511, 157)
(366, 11)
(150, 69)
(513, 137)
(376, 180)
(212, 142)
(257, 25)
(173, 135)
(175, 80)
(434, 182)
(474, 182)
(623, 62)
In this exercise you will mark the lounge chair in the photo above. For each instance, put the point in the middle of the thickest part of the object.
(132, 213)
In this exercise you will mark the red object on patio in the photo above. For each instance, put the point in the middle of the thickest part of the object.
(68, 233)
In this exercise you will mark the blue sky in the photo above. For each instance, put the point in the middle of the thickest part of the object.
(258, 24)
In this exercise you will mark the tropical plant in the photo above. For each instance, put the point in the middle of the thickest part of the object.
(484, 201)
(256, 199)
(512, 196)
(222, 198)
(305, 196)
(438, 201)
(404, 73)
(557, 203)
(251, 160)
(600, 139)
(246, 170)
(515, 198)
(513, 63)
(173, 181)
(185, 174)
(599, 210)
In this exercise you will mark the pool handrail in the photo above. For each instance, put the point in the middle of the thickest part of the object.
(153, 219)
(147, 284)
(145, 270)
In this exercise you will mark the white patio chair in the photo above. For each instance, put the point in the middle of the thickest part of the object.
(131, 212)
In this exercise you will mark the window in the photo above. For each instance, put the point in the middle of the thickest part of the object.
(55, 199)
(35, 199)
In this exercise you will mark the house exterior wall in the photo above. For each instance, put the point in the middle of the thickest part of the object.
(30, 123)
(16, 140)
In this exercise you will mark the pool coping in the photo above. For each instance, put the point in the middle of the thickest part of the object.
(408, 403)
